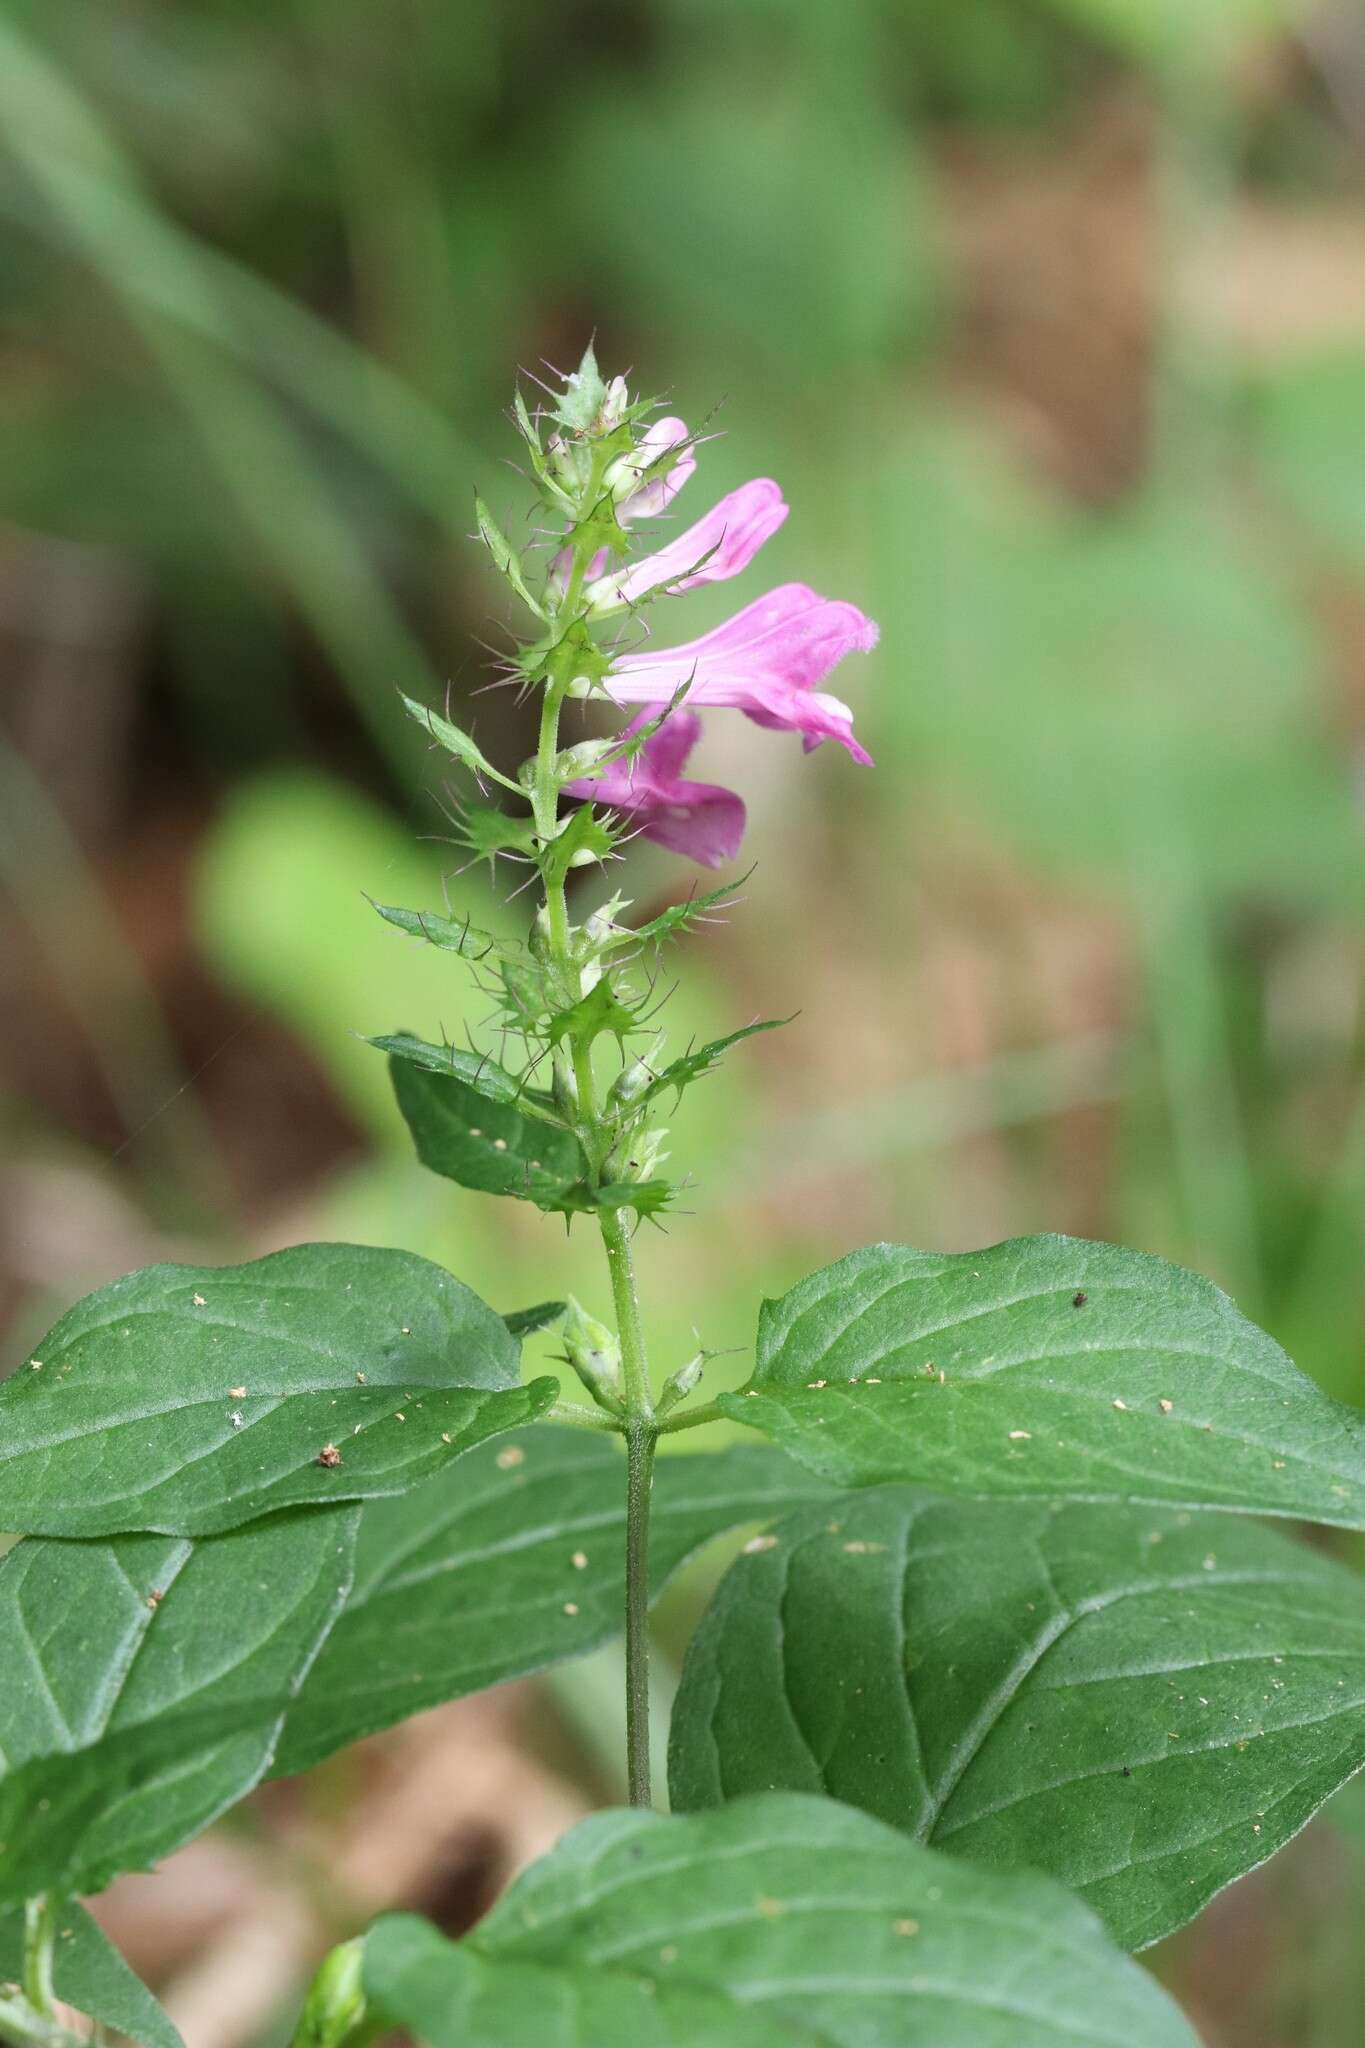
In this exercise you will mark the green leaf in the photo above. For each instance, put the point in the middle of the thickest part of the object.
(468, 1137)
(1143, 1703)
(1047, 1366)
(451, 934)
(505, 558)
(681, 1072)
(464, 1136)
(459, 1587)
(475, 1069)
(89, 1973)
(187, 1399)
(145, 1682)
(456, 742)
(776, 1920)
(524, 1322)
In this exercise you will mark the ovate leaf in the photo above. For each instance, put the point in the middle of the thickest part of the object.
(1144, 1703)
(778, 1920)
(190, 1398)
(89, 1973)
(1047, 1366)
(489, 1145)
(518, 1566)
(144, 1684)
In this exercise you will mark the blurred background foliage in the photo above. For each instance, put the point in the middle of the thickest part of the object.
(1050, 317)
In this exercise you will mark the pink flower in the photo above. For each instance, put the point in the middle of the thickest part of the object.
(720, 545)
(696, 819)
(647, 500)
(765, 661)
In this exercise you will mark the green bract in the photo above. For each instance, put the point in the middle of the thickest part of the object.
(188, 1399)
(777, 1920)
(1047, 1366)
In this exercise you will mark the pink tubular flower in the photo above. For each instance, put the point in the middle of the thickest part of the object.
(646, 501)
(765, 661)
(697, 819)
(720, 545)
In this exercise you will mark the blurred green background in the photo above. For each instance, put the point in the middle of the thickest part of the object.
(1049, 315)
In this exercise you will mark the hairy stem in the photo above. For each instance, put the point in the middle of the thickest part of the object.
(638, 1422)
(642, 1432)
(640, 1442)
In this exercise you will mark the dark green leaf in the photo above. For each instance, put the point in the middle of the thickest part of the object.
(89, 1974)
(1047, 1366)
(460, 1133)
(1144, 1703)
(775, 1920)
(680, 1072)
(190, 1398)
(459, 1586)
(145, 1682)
(451, 934)
(524, 1322)
(487, 1145)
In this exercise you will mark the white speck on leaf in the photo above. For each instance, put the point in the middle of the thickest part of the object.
(513, 1455)
(198, 1301)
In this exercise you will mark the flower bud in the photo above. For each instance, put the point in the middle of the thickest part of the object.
(679, 1385)
(565, 1090)
(630, 1083)
(612, 410)
(335, 2005)
(594, 1354)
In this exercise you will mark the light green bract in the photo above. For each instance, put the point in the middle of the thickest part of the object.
(1143, 1702)
(1047, 1367)
(189, 1399)
(777, 1922)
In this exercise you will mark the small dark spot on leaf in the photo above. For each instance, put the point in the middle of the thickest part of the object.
(329, 1456)
(1079, 1298)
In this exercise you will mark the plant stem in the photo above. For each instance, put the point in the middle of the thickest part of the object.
(579, 1416)
(640, 1442)
(639, 1423)
(642, 1431)
(39, 1932)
